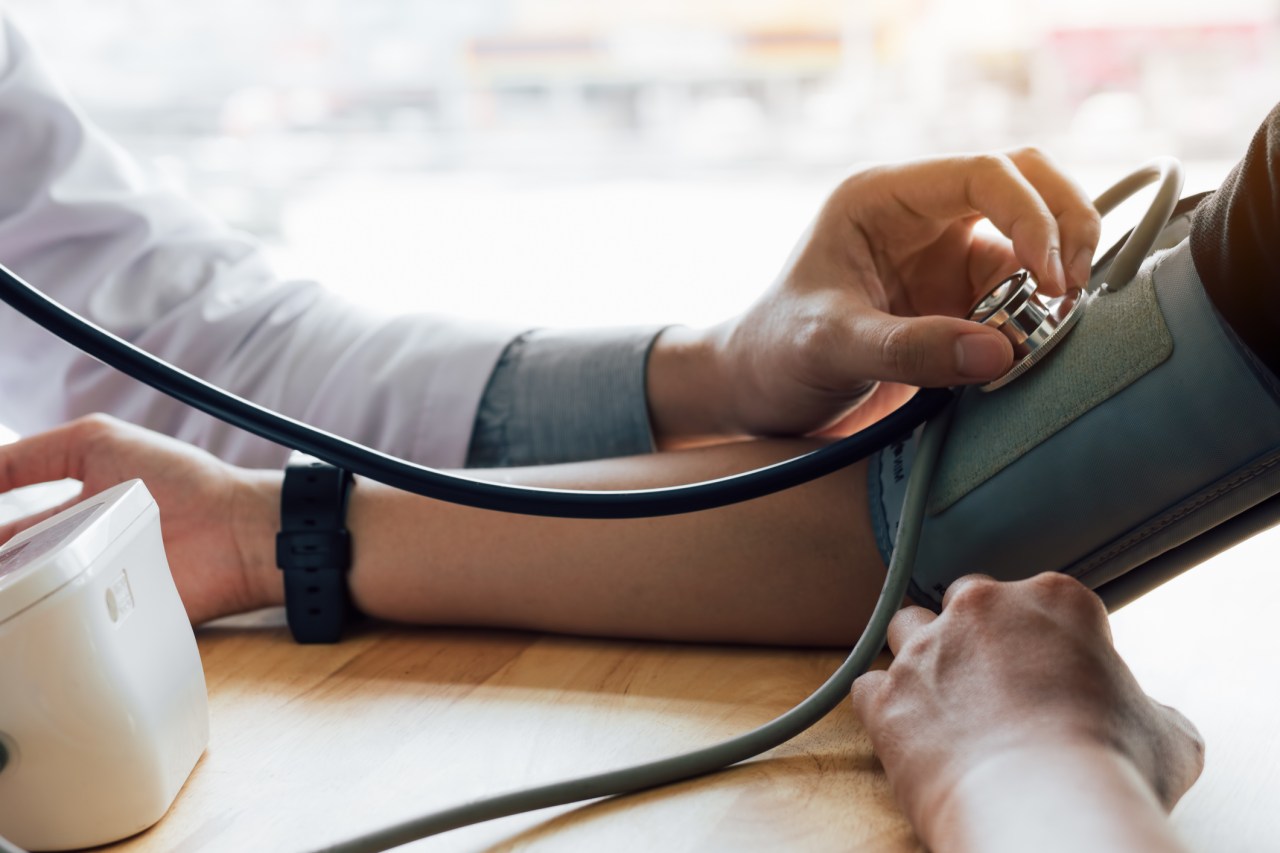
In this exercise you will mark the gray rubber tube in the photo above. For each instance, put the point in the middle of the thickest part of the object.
(1168, 172)
(700, 762)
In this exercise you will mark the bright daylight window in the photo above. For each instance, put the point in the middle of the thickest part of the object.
(562, 162)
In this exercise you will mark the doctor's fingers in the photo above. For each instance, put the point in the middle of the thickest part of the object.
(869, 686)
(991, 261)
(1025, 206)
(866, 689)
(1079, 224)
(1046, 214)
(965, 584)
(933, 351)
(907, 624)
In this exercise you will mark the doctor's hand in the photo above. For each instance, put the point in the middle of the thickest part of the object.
(1011, 714)
(873, 293)
(198, 495)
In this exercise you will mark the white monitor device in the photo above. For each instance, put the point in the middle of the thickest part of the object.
(103, 709)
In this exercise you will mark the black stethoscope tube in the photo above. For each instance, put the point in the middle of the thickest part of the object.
(410, 477)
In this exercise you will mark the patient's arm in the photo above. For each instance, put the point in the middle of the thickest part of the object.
(798, 567)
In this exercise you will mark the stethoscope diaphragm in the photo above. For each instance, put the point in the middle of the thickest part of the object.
(1033, 324)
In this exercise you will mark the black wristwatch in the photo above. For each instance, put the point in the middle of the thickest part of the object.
(313, 549)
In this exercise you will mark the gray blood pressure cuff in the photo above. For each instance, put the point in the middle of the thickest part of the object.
(1149, 425)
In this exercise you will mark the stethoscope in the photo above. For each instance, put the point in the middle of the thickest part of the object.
(1033, 324)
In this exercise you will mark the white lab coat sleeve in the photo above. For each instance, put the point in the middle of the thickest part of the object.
(80, 221)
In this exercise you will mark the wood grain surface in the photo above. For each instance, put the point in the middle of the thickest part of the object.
(313, 744)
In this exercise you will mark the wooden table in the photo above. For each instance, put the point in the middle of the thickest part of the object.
(311, 744)
(317, 743)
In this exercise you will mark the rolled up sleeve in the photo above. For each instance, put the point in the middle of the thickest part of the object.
(564, 396)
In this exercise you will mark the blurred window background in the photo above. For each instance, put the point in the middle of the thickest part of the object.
(566, 162)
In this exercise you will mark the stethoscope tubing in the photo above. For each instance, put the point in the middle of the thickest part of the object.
(432, 483)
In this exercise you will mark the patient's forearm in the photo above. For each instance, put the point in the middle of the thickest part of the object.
(797, 567)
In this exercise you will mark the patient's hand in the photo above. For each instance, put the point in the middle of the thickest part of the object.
(1012, 706)
(197, 495)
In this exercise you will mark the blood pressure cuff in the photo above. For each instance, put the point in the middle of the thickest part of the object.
(1147, 426)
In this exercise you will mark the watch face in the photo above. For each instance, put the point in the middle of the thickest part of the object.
(15, 558)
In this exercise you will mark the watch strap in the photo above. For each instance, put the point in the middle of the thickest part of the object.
(313, 549)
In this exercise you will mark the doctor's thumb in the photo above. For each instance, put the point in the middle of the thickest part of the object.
(935, 351)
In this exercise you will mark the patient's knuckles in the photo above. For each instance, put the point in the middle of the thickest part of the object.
(95, 433)
(95, 425)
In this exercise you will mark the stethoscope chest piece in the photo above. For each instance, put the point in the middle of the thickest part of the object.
(1033, 324)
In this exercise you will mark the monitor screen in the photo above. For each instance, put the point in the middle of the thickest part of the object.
(14, 559)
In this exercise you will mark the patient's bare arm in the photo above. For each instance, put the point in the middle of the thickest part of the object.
(798, 567)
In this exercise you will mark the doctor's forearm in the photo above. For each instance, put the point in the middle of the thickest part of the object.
(1052, 798)
(799, 567)
(685, 390)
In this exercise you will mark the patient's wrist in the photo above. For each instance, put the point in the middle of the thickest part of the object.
(255, 522)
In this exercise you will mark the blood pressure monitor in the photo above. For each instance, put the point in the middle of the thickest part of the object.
(103, 709)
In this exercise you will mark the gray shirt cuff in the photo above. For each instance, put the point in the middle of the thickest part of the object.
(564, 396)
